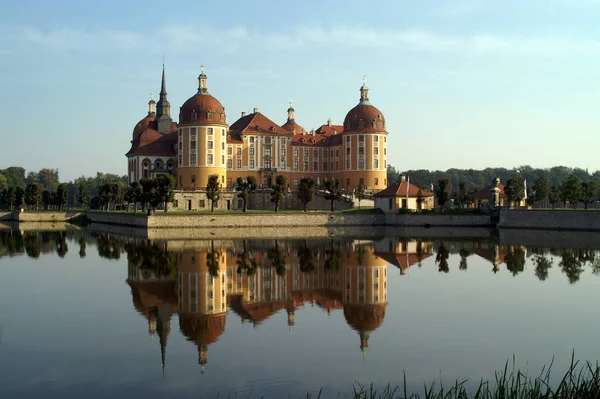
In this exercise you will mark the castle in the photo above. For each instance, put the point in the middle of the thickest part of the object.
(203, 144)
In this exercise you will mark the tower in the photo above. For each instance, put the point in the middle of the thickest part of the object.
(163, 108)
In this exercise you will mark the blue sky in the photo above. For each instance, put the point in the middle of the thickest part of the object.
(462, 84)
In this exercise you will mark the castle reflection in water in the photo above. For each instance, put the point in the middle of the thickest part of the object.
(257, 279)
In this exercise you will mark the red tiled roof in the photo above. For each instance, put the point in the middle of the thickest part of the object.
(324, 136)
(486, 193)
(399, 190)
(201, 105)
(255, 123)
(402, 261)
(292, 126)
(364, 317)
(151, 142)
(367, 114)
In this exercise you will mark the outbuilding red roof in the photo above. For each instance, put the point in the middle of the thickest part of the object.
(399, 190)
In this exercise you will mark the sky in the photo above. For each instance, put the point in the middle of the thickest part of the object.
(462, 84)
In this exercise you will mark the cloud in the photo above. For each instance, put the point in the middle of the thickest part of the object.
(183, 39)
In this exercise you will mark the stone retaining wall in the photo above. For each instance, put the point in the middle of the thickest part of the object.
(123, 219)
(424, 220)
(588, 220)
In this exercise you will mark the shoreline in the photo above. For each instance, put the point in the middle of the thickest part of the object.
(541, 220)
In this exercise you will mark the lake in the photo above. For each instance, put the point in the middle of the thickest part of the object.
(96, 314)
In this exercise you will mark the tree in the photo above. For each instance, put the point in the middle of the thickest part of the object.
(360, 193)
(279, 191)
(571, 190)
(116, 193)
(33, 195)
(83, 194)
(515, 260)
(553, 195)
(165, 184)
(306, 191)
(277, 259)
(245, 187)
(134, 194)
(74, 201)
(442, 258)
(61, 196)
(19, 197)
(105, 196)
(542, 264)
(46, 199)
(212, 260)
(515, 190)
(463, 259)
(333, 257)
(462, 196)
(333, 190)
(10, 196)
(48, 179)
(420, 200)
(148, 191)
(213, 191)
(3, 184)
(589, 192)
(306, 259)
(442, 191)
(541, 189)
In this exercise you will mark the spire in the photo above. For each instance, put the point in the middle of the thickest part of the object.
(202, 89)
(163, 327)
(163, 108)
(364, 343)
(290, 112)
(364, 93)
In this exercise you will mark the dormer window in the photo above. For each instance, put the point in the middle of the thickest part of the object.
(374, 123)
(313, 141)
(324, 141)
(209, 116)
(222, 117)
(194, 115)
(361, 124)
(229, 137)
(272, 128)
(267, 140)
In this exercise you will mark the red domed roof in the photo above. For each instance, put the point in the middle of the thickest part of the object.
(202, 108)
(202, 329)
(142, 125)
(364, 117)
(364, 317)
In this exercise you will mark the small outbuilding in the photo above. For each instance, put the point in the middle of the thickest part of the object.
(403, 195)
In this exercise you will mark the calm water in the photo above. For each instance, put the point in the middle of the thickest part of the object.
(86, 314)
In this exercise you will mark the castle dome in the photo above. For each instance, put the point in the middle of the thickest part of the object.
(202, 108)
(203, 329)
(365, 318)
(364, 117)
(142, 125)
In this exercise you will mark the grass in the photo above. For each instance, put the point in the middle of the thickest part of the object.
(578, 382)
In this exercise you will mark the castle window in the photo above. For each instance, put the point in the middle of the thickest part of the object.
(376, 181)
(361, 150)
(238, 164)
(305, 165)
(229, 183)
(385, 139)
(361, 181)
(229, 150)
(361, 164)
(202, 204)
(229, 163)
(193, 131)
(222, 117)
(385, 151)
(268, 139)
(251, 164)
(239, 151)
(222, 159)
(193, 159)
(337, 152)
(348, 185)
(229, 137)
(209, 159)
(361, 138)
(316, 166)
(180, 160)
(223, 146)
(347, 164)
(193, 177)
(324, 166)
(283, 141)
(252, 139)
(222, 179)
(193, 144)
(251, 151)
(376, 139)
(295, 164)
(210, 145)
(282, 164)
(209, 116)
(283, 152)
(361, 124)
(157, 164)
(374, 123)
(348, 151)
(295, 152)
(170, 165)
(347, 139)
(267, 151)
(376, 150)
(305, 153)
(194, 116)
(295, 183)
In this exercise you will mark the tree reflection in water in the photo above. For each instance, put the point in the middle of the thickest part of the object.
(441, 259)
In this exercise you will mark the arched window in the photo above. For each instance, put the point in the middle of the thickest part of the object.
(146, 169)
(209, 116)
(194, 115)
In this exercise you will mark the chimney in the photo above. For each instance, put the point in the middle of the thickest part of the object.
(329, 122)
(497, 180)
(243, 114)
(255, 110)
(402, 178)
(334, 132)
(312, 132)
